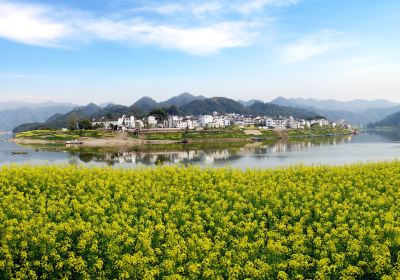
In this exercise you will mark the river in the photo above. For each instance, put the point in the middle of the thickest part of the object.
(365, 147)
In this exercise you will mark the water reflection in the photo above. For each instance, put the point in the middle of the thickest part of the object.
(157, 158)
(389, 135)
(204, 156)
(369, 146)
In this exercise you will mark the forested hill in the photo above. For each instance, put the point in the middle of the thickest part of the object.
(90, 111)
(357, 112)
(13, 116)
(390, 121)
(143, 107)
(209, 105)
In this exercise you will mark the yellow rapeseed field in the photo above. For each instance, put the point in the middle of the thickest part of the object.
(179, 223)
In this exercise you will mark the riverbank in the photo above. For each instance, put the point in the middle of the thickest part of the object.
(123, 142)
(123, 139)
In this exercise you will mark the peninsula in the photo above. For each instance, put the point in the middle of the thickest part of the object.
(100, 138)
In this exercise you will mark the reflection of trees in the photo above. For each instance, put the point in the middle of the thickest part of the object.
(155, 158)
(285, 146)
(86, 157)
(194, 155)
(391, 135)
(73, 161)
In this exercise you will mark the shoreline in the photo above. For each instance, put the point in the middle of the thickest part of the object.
(126, 141)
(94, 142)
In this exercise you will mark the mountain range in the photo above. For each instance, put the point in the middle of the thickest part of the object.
(13, 114)
(357, 112)
(10, 105)
(392, 120)
(184, 104)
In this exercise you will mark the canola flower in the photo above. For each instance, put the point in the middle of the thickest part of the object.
(192, 223)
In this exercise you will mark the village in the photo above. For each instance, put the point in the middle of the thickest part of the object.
(214, 121)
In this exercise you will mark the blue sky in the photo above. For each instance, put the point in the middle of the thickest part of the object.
(119, 50)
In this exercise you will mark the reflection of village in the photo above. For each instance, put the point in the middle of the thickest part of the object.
(207, 156)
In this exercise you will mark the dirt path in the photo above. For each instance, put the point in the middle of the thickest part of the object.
(282, 134)
(252, 132)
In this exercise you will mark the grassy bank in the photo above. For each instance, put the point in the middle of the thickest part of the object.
(195, 136)
(241, 135)
(59, 135)
(169, 222)
(317, 132)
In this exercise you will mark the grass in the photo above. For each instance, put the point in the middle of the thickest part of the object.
(317, 132)
(59, 135)
(205, 134)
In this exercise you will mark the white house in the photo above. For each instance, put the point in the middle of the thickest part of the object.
(151, 121)
(138, 124)
(280, 123)
(206, 119)
(127, 122)
(269, 122)
(292, 123)
(105, 123)
(320, 122)
(174, 121)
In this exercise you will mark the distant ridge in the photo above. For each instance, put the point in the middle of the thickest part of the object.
(250, 102)
(222, 105)
(392, 120)
(359, 112)
(146, 104)
(199, 105)
(11, 105)
(357, 105)
(29, 112)
(180, 100)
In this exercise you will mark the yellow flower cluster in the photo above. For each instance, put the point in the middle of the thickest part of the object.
(178, 223)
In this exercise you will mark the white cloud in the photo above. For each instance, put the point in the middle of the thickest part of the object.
(30, 24)
(313, 45)
(206, 8)
(198, 28)
(170, 8)
(252, 6)
(198, 40)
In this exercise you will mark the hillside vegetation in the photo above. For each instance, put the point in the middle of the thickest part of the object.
(175, 223)
(355, 111)
(184, 104)
(390, 121)
(59, 135)
(10, 118)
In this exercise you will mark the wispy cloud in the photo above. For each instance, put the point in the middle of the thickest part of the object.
(252, 6)
(18, 76)
(199, 28)
(197, 40)
(313, 45)
(30, 24)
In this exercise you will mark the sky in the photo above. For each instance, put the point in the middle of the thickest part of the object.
(120, 50)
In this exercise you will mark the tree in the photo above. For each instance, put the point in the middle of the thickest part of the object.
(85, 124)
(72, 121)
(159, 113)
(173, 110)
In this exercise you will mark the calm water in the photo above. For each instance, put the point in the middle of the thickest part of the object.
(370, 146)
